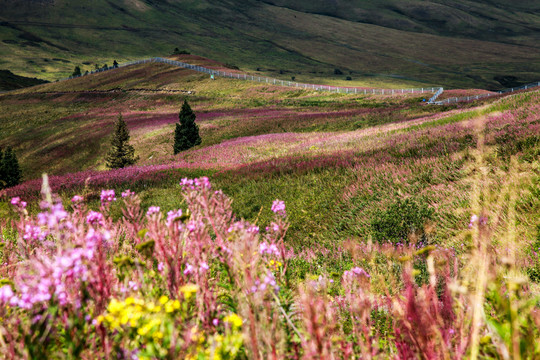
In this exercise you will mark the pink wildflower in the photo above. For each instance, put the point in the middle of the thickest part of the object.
(107, 196)
(153, 210)
(16, 201)
(6, 294)
(278, 207)
(127, 193)
(173, 216)
(94, 218)
(77, 199)
(189, 269)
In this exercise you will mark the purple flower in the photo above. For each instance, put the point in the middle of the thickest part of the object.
(127, 193)
(107, 196)
(204, 267)
(278, 207)
(253, 229)
(215, 322)
(192, 226)
(269, 249)
(6, 294)
(160, 267)
(203, 183)
(173, 216)
(133, 285)
(153, 210)
(77, 199)
(34, 232)
(16, 201)
(356, 271)
(94, 218)
(189, 269)
(186, 183)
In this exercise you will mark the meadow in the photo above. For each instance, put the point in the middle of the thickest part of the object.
(306, 225)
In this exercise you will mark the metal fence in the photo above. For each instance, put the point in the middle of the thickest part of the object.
(483, 96)
(337, 89)
(262, 79)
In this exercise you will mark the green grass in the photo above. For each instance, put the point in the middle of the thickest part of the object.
(387, 43)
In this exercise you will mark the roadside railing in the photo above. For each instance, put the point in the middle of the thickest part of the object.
(483, 96)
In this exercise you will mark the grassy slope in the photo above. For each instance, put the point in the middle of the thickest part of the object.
(335, 159)
(300, 43)
(10, 81)
(44, 122)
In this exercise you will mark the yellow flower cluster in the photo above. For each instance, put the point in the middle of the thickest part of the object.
(137, 313)
(220, 346)
(275, 264)
(188, 290)
(234, 320)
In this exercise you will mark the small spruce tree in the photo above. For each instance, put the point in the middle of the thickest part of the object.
(186, 134)
(115, 64)
(10, 171)
(121, 154)
(77, 71)
(2, 172)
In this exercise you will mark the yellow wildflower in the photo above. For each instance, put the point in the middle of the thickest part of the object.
(163, 300)
(188, 290)
(234, 320)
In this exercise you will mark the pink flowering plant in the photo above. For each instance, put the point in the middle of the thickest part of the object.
(199, 283)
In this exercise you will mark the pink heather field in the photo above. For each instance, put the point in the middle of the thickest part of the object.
(306, 225)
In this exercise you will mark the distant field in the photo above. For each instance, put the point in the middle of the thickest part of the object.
(474, 45)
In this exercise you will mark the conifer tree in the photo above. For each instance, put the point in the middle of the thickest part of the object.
(186, 134)
(2, 172)
(77, 71)
(10, 171)
(115, 64)
(121, 154)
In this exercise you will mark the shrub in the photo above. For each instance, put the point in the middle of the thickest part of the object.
(400, 220)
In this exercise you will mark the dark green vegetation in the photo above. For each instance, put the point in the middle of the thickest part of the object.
(10, 81)
(121, 154)
(186, 133)
(10, 171)
(457, 43)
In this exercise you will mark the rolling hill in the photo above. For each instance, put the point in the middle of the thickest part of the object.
(457, 43)
(381, 206)
(10, 81)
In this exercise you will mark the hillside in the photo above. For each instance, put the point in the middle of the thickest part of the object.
(10, 81)
(457, 43)
(305, 223)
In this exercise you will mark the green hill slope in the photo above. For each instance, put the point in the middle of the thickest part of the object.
(458, 43)
(10, 81)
